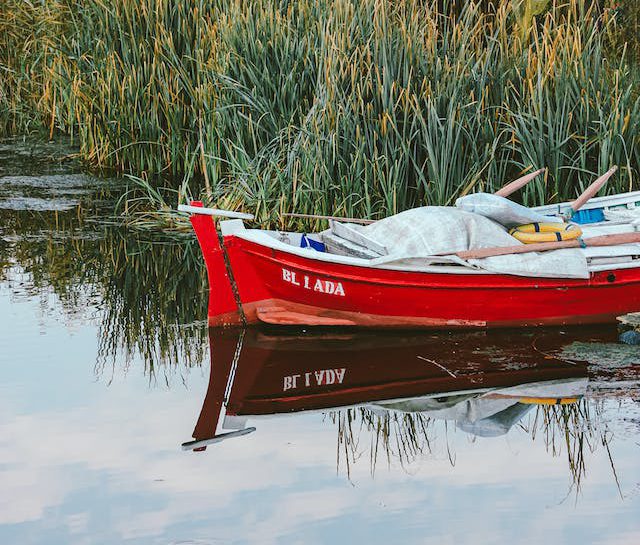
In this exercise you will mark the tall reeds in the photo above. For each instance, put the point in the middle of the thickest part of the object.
(346, 107)
(30, 37)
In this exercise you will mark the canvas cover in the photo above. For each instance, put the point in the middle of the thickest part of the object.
(414, 237)
(501, 210)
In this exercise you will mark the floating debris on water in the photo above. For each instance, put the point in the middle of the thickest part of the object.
(606, 355)
(49, 193)
(629, 325)
(38, 204)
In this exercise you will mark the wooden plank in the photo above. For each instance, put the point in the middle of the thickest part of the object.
(201, 210)
(340, 246)
(622, 199)
(347, 232)
(201, 443)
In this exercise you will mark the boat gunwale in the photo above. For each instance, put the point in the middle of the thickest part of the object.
(389, 277)
(267, 239)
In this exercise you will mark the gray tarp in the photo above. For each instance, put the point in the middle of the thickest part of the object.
(416, 234)
(501, 210)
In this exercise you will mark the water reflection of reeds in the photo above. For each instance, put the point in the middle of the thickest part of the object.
(574, 430)
(392, 436)
(154, 301)
(145, 296)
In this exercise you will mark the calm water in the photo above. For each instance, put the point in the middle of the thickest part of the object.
(107, 368)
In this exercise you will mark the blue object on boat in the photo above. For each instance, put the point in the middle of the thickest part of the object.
(594, 215)
(306, 242)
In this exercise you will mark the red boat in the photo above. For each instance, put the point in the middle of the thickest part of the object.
(266, 276)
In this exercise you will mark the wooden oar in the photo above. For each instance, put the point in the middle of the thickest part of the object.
(512, 187)
(337, 218)
(603, 240)
(591, 191)
(199, 209)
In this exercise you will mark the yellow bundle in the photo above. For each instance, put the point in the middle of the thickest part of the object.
(532, 233)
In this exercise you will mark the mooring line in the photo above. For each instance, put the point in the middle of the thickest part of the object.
(232, 280)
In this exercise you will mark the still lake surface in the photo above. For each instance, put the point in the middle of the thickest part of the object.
(107, 368)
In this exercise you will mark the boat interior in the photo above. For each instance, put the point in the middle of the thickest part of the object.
(346, 243)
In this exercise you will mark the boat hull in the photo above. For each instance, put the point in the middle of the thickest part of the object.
(263, 284)
(281, 288)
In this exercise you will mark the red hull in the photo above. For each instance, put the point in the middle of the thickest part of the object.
(261, 284)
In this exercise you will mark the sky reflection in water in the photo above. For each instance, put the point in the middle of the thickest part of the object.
(105, 371)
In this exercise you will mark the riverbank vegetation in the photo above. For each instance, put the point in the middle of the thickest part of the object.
(332, 107)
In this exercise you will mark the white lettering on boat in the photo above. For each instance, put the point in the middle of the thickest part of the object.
(289, 276)
(321, 377)
(330, 287)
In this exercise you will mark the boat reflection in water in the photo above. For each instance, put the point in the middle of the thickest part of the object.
(485, 382)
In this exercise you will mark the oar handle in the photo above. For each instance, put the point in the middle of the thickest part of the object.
(591, 191)
(336, 218)
(512, 187)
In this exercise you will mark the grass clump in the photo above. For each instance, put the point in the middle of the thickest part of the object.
(30, 37)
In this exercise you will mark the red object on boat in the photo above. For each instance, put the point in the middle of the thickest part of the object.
(252, 282)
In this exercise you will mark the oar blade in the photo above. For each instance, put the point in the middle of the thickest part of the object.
(593, 189)
(512, 187)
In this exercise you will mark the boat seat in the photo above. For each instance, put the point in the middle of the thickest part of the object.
(345, 239)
